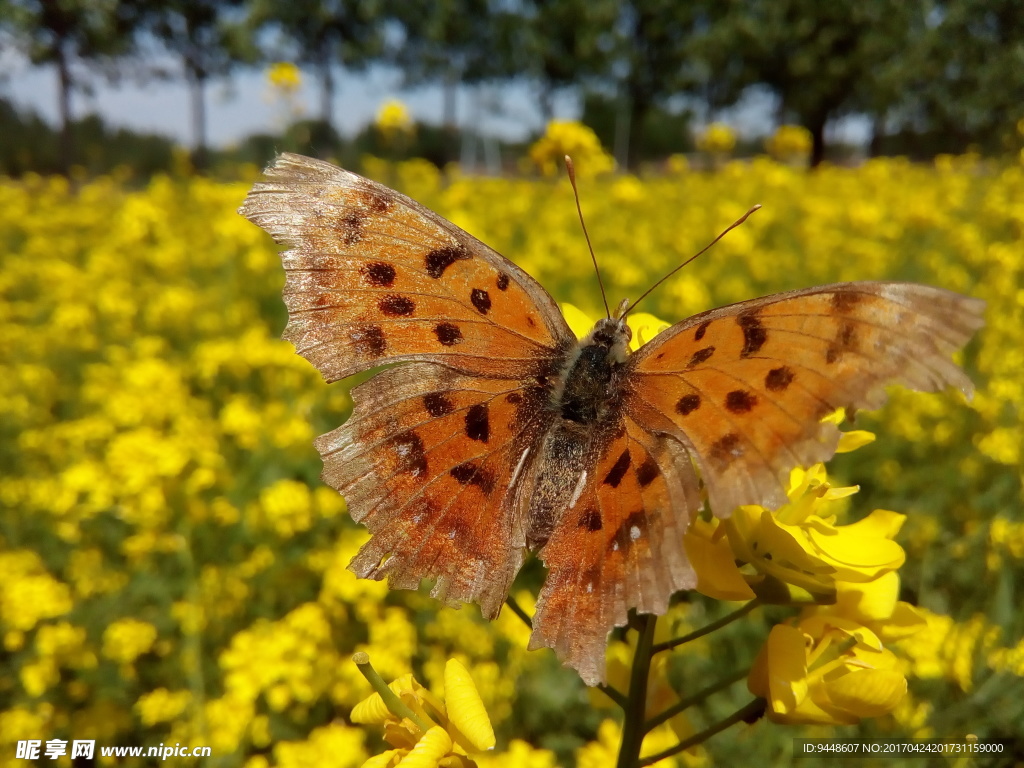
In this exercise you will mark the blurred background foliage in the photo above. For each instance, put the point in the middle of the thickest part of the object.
(173, 569)
(939, 76)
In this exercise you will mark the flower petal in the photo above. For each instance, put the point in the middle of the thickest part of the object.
(465, 708)
(429, 750)
(579, 321)
(854, 439)
(867, 692)
(715, 564)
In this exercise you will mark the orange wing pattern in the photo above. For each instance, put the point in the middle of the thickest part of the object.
(619, 546)
(375, 278)
(426, 463)
(745, 386)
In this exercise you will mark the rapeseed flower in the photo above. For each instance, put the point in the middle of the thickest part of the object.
(576, 140)
(826, 670)
(424, 730)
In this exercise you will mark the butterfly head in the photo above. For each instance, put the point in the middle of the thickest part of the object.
(613, 335)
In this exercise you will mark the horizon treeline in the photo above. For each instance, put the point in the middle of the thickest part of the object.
(928, 77)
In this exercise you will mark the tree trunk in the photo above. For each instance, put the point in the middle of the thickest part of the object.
(816, 125)
(877, 136)
(638, 111)
(67, 140)
(451, 85)
(197, 87)
(326, 89)
(547, 103)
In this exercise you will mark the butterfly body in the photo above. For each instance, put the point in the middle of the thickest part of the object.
(500, 432)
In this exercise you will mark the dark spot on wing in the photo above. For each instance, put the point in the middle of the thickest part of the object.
(438, 260)
(725, 450)
(591, 520)
(754, 334)
(481, 300)
(412, 459)
(618, 470)
(368, 340)
(700, 356)
(438, 404)
(845, 341)
(377, 203)
(502, 281)
(513, 398)
(740, 401)
(777, 379)
(396, 306)
(844, 301)
(471, 473)
(701, 330)
(350, 226)
(647, 472)
(688, 404)
(379, 274)
(530, 321)
(478, 425)
(448, 334)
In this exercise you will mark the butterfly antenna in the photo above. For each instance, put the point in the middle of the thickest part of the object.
(725, 231)
(572, 180)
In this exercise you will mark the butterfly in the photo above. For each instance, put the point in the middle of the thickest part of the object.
(500, 432)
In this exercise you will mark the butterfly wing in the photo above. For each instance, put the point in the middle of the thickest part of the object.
(373, 277)
(619, 546)
(427, 460)
(744, 387)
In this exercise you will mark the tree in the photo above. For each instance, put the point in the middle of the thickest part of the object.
(563, 44)
(66, 34)
(454, 42)
(823, 60)
(974, 84)
(653, 60)
(325, 34)
(209, 39)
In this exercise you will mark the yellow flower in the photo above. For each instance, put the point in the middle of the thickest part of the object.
(127, 639)
(789, 143)
(800, 544)
(393, 119)
(826, 670)
(579, 141)
(644, 325)
(717, 139)
(455, 727)
(284, 75)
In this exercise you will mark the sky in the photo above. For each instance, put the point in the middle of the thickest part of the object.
(241, 105)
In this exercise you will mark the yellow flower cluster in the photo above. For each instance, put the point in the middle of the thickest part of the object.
(284, 75)
(393, 120)
(717, 139)
(789, 144)
(174, 572)
(576, 140)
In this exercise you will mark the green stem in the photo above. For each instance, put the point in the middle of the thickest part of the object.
(607, 690)
(395, 705)
(635, 710)
(517, 609)
(689, 701)
(668, 645)
(753, 709)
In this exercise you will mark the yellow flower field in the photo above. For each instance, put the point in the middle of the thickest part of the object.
(174, 572)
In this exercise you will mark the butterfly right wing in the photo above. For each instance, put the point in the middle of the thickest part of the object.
(617, 547)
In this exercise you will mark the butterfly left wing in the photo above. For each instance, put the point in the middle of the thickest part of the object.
(744, 387)
(618, 546)
(373, 277)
